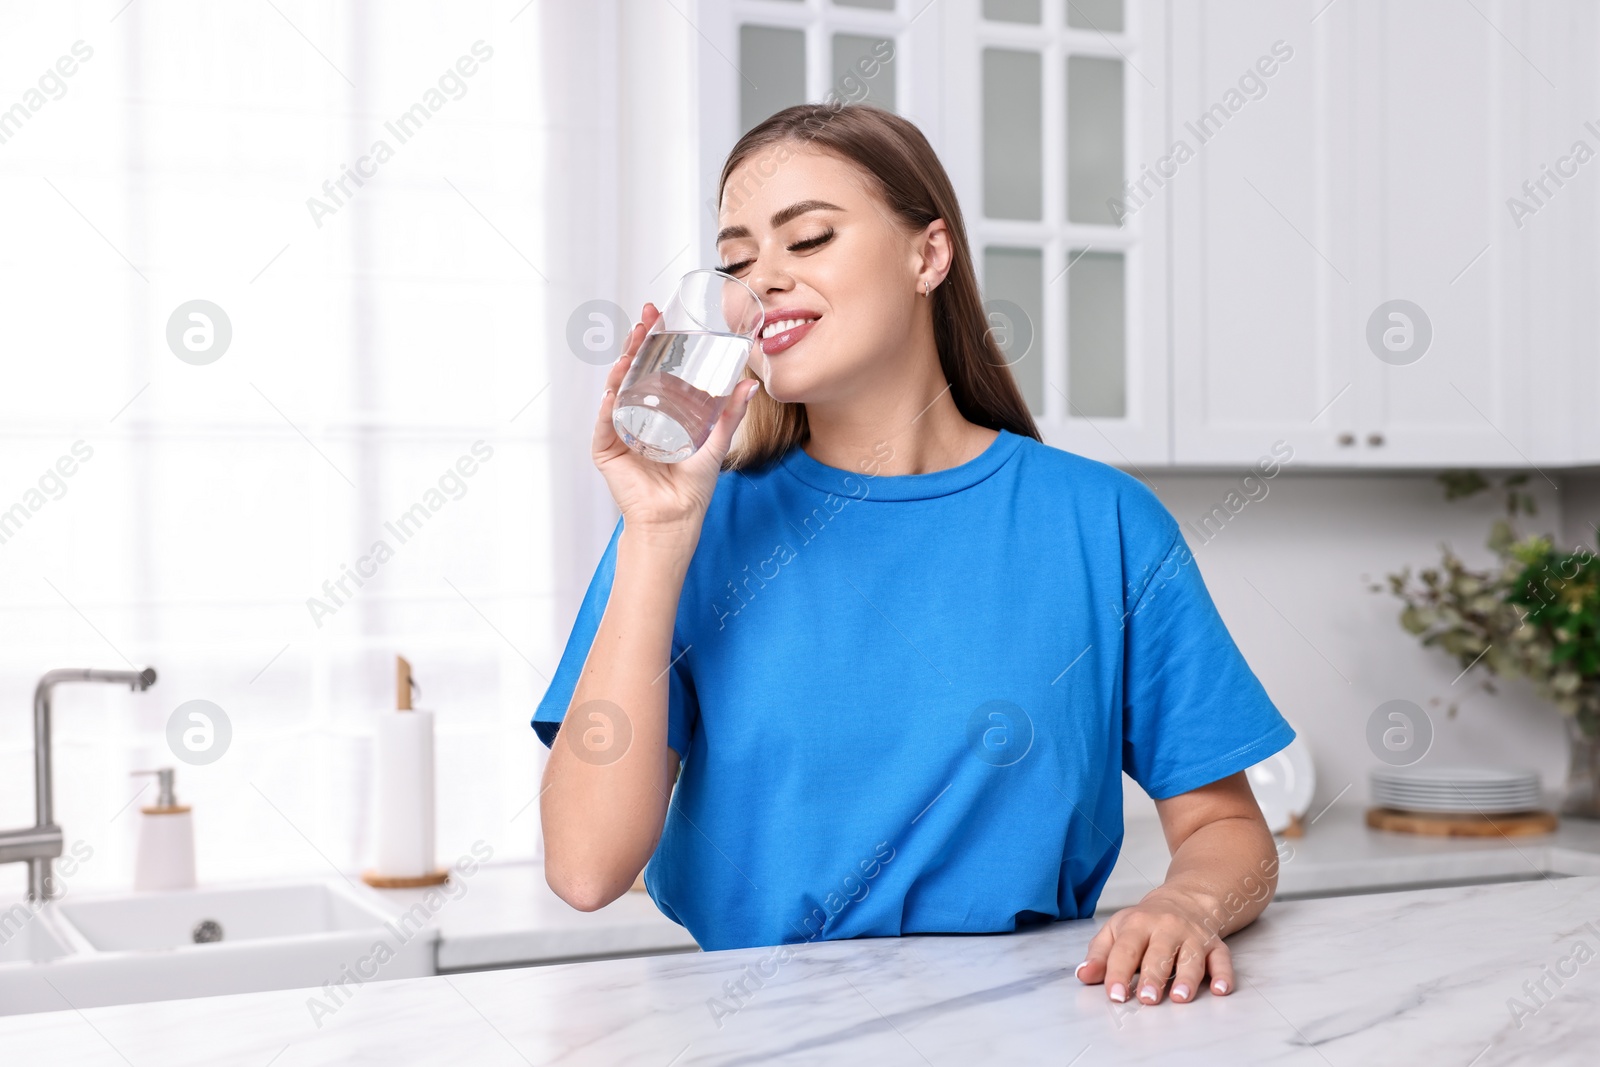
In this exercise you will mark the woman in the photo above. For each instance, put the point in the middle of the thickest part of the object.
(902, 698)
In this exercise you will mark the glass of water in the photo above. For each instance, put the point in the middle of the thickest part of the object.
(686, 368)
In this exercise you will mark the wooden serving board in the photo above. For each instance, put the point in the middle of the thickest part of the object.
(1518, 824)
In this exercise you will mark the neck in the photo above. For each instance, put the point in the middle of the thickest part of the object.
(902, 421)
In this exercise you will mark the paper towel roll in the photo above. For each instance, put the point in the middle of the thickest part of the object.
(405, 794)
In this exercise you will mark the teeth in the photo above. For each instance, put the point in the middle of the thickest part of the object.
(779, 327)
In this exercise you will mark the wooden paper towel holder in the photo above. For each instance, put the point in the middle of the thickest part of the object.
(385, 881)
(402, 702)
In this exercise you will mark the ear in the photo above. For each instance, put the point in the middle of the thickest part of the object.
(934, 251)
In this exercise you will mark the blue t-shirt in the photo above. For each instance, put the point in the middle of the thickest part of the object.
(904, 702)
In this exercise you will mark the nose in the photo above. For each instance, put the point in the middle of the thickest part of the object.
(765, 281)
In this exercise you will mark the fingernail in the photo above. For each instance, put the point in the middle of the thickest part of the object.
(1148, 994)
(1119, 992)
(1219, 986)
(1180, 992)
(1079, 968)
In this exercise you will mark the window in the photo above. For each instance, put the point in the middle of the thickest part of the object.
(381, 324)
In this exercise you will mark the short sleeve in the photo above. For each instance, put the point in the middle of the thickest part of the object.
(681, 703)
(1194, 711)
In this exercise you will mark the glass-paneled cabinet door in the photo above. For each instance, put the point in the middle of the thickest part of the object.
(1060, 103)
(757, 57)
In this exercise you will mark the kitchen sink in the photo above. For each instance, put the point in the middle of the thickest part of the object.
(24, 940)
(90, 951)
(176, 919)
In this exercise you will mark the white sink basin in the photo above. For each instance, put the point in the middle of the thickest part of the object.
(25, 940)
(138, 947)
(167, 920)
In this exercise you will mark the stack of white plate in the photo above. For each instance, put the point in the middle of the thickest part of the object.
(1460, 790)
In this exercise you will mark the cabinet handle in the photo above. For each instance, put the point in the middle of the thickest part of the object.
(1374, 439)
(1347, 439)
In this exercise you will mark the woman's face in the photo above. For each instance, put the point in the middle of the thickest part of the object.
(806, 230)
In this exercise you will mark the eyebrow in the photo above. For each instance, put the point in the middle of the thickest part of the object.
(793, 211)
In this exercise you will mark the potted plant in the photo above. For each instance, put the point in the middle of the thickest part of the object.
(1534, 614)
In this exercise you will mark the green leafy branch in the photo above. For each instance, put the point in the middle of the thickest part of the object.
(1535, 614)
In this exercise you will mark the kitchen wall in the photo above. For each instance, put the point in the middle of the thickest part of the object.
(1327, 650)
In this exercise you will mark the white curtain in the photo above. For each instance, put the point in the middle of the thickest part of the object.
(397, 207)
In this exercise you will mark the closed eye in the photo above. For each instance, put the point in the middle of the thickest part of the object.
(799, 246)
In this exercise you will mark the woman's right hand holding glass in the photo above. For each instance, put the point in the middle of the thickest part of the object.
(665, 501)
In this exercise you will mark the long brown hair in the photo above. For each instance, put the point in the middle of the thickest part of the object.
(914, 185)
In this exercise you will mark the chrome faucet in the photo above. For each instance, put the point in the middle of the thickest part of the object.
(39, 844)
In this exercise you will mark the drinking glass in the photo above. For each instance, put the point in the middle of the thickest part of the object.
(686, 368)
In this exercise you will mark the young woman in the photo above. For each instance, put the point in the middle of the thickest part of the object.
(901, 650)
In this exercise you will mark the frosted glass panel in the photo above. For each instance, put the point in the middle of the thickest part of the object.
(1013, 300)
(1097, 371)
(1094, 138)
(1012, 11)
(1102, 15)
(860, 74)
(1012, 130)
(772, 63)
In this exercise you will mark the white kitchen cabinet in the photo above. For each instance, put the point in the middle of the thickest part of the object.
(1262, 345)
(1374, 165)
(1294, 167)
(1431, 82)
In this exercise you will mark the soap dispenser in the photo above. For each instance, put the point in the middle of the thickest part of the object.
(166, 840)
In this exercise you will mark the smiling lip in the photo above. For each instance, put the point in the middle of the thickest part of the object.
(788, 338)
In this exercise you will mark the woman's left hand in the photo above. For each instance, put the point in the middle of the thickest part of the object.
(1168, 934)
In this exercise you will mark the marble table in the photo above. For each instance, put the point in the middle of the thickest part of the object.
(1425, 976)
(509, 916)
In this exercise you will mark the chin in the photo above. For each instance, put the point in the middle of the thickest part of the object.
(792, 385)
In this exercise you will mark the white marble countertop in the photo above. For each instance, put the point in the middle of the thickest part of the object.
(1341, 854)
(509, 916)
(1424, 976)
